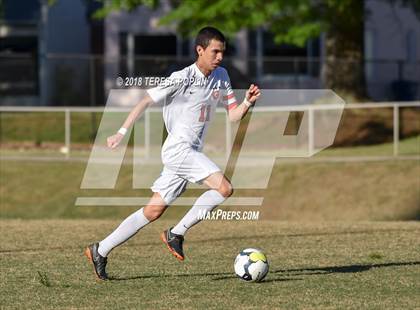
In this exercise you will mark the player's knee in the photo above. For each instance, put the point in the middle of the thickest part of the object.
(152, 213)
(226, 189)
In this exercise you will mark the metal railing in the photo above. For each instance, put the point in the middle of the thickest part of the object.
(311, 109)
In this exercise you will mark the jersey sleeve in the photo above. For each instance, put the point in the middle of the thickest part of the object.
(228, 96)
(166, 89)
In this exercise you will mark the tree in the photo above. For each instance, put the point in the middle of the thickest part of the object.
(292, 22)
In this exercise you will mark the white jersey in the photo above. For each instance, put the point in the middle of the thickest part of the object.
(189, 100)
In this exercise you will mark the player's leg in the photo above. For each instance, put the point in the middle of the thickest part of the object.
(155, 208)
(220, 189)
(200, 169)
(217, 181)
(132, 224)
(97, 253)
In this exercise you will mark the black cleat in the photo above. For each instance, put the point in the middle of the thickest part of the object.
(174, 243)
(98, 262)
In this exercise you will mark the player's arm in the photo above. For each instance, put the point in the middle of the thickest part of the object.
(251, 96)
(114, 140)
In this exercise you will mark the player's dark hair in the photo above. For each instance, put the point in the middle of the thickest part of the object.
(206, 34)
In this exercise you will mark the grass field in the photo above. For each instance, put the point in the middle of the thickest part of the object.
(326, 256)
(334, 265)
(382, 190)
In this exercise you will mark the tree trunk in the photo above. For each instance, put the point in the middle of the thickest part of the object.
(343, 68)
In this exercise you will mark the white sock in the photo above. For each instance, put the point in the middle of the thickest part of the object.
(205, 203)
(128, 228)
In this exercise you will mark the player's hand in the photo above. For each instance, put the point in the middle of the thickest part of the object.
(253, 93)
(114, 140)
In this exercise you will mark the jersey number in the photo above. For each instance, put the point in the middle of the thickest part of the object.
(205, 113)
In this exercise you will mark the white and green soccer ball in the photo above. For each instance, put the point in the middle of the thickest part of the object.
(251, 265)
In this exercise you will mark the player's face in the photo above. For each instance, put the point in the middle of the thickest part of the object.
(212, 55)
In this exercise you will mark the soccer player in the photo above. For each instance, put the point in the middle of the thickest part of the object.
(190, 97)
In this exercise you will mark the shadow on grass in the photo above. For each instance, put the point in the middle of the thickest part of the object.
(342, 269)
(269, 280)
(219, 276)
(280, 275)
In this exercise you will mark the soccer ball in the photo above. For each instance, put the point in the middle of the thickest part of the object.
(251, 265)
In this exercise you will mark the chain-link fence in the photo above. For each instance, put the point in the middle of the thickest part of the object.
(84, 80)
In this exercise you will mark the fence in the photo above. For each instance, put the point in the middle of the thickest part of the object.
(82, 80)
(310, 109)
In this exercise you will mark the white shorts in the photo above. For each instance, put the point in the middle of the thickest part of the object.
(182, 164)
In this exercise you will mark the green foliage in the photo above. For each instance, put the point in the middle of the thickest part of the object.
(290, 21)
(126, 5)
